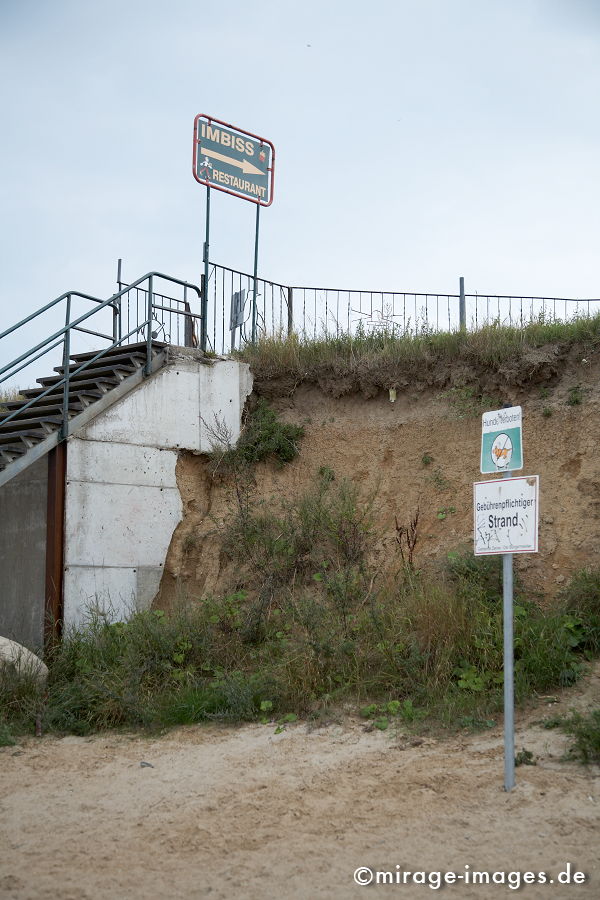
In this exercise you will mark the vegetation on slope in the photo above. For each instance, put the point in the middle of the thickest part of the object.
(369, 362)
(312, 625)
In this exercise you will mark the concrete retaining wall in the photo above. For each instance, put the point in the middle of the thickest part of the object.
(122, 500)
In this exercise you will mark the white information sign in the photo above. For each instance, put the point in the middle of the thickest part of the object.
(506, 515)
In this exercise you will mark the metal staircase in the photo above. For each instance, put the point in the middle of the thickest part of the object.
(88, 382)
(40, 415)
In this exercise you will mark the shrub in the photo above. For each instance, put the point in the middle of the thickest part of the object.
(266, 436)
(585, 729)
(581, 598)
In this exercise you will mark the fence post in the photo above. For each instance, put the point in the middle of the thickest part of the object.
(117, 319)
(64, 428)
(462, 310)
(290, 305)
(203, 312)
(148, 366)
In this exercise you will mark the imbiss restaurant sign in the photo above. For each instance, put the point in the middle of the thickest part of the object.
(230, 159)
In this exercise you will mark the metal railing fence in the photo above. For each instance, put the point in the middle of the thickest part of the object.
(485, 309)
(160, 307)
(313, 312)
(272, 302)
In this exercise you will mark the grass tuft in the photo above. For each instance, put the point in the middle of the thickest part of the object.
(585, 730)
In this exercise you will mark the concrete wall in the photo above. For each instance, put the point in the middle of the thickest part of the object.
(23, 512)
(122, 500)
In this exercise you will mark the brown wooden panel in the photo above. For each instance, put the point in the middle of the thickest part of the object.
(57, 472)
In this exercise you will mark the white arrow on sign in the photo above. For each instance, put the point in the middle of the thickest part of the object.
(243, 164)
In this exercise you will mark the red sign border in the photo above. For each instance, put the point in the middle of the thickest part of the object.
(217, 187)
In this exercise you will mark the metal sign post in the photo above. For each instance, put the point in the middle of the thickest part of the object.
(509, 674)
(204, 306)
(506, 514)
(230, 159)
(255, 291)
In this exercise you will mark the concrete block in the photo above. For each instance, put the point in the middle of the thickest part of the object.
(163, 411)
(90, 590)
(117, 463)
(119, 525)
(147, 585)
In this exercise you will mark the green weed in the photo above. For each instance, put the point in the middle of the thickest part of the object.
(575, 395)
(525, 758)
(467, 403)
(581, 598)
(6, 737)
(439, 480)
(585, 731)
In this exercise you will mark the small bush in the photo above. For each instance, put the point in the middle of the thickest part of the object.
(6, 738)
(585, 730)
(575, 395)
(266, 436)
(581, 598)
(21, 698)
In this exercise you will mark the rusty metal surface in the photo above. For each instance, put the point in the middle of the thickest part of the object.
(57, 472)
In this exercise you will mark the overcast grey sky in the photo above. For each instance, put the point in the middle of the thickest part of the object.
(416, 141)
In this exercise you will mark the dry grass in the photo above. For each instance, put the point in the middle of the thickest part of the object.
(384, 360)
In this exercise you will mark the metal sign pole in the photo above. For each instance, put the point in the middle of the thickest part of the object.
(254, 311)
(509, 690)
(462, 309)
(204, 307)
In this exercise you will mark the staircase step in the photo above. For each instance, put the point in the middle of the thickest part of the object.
(46, 424)
(43, 409)
(131, 361)
(99, 386)
(138, 347)
(83, 398)
(100, 373)
(27, 438)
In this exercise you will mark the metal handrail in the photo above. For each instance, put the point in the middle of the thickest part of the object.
(62, 336)
(52, 388)
(48, 306)
(61, 331)
(111, 301)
